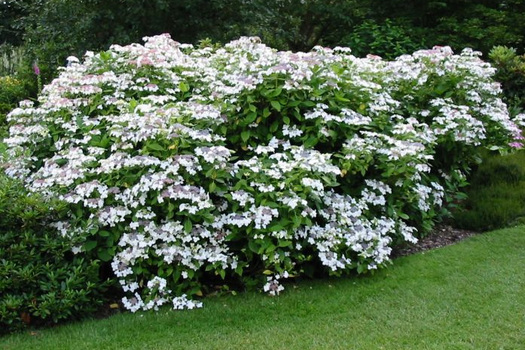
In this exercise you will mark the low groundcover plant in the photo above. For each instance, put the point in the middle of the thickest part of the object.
(185, 165)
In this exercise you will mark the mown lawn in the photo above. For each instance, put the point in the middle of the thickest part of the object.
(467, 296)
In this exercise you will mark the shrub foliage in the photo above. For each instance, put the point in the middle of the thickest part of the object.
(511, 73)
(496, 195)
(185, 166)
(11, 92)
(41, 282)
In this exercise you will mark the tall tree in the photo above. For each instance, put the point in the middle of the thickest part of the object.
(301, 24)
(11, 12)
(479, 24)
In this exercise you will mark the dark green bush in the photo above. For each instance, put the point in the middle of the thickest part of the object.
(12, 90)
(496, 196)
(511, 74)
(41, 281)
(387, 39)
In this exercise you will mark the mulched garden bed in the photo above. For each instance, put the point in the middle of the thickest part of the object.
(441, 236)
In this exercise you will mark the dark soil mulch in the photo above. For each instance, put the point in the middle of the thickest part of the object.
(441, 236)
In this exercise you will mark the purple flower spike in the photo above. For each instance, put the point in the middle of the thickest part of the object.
(36, 69)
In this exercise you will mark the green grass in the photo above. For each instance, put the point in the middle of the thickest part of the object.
(467, 296)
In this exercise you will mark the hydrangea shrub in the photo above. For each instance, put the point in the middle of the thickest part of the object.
(183, 165)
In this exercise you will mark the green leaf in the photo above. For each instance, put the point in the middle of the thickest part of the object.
(275, 228)
(245, 135)
(105, 56)
(283, 244)
(187, 225)
(254, 247)
(132, 105)
(276, 105)
(274, 127)
(275, 92)
(184, 87)
(89, 245)
(340, 98)
(403, 216)
(311, 142)
(270, 248)
(308, 103)
(61, 161)
(155, 146)
(104, 255)
(297, 220)
(250, 118)
(104, 233)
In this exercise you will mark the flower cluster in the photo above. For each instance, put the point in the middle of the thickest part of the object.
(181, 163)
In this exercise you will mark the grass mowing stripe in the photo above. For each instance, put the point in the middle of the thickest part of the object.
(467, 296)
